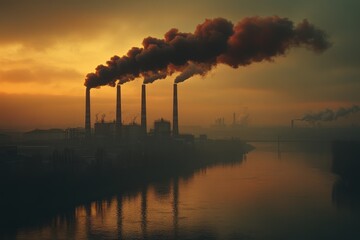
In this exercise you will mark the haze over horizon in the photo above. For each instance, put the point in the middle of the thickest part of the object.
(50, 47)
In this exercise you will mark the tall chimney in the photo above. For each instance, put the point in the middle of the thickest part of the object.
(87, 114)
(118, 110)
(175, 113)
(143, 108)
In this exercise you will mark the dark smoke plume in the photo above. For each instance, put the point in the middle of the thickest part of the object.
(330, 115)
(215, 41)
(192, 69)
(150, 77)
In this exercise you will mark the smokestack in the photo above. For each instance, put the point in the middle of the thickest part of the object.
(118, 109)
(143, 108)
(175, 113)
(87, 114)
(292, 123)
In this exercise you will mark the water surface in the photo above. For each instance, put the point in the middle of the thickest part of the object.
(286, 194)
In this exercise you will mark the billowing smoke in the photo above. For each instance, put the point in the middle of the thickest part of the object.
(193, 69)
(150, 77)
(330, 115)
(215, 41)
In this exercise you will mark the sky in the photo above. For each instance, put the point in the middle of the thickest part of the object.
(48, 47)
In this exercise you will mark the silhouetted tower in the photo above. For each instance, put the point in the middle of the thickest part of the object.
(234, 118)
(175, 112)
(118, 109)
(143, 108)
(87, 114)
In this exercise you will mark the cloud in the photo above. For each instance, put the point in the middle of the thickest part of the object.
(41, 23)
(41, 75)
(28, 111)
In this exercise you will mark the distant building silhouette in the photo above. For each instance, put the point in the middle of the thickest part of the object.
(132, 132)
(75, 133)
(105, 130)
(162, 128)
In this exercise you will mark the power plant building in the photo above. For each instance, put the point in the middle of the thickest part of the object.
(162, 128)
(105, 129)
(132, 132)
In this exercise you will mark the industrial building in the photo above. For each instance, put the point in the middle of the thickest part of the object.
(133, 132)
(162, 129)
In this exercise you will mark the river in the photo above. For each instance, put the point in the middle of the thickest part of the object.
(277, 192)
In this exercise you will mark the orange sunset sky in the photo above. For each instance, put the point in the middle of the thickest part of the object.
(48, 47)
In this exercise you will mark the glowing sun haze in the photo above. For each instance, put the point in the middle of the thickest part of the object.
(48, 47)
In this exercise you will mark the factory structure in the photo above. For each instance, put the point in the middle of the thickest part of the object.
(118, 144)
(121, 146)
(133, 132)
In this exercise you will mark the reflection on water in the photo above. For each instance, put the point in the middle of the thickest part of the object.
(269, 196)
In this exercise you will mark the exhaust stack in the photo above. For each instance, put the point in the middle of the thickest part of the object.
(118, 110)
(175, 112)
(143, 108)
(87, 114)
